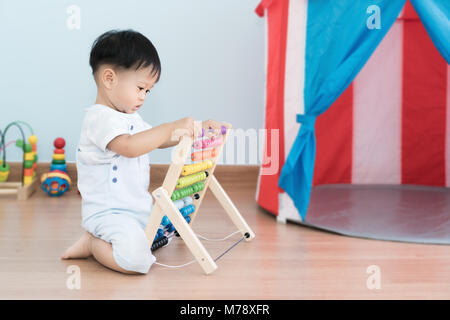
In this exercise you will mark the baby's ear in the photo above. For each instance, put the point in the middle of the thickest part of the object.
(108, 78)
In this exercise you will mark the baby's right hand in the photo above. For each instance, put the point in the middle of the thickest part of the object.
(186, 127)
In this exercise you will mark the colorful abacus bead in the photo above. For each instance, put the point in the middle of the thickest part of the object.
(181, 193)
(196, 167)
(223, 130)
(207, 143)
(215, 142)
(187, 210)
(188, 220)
(165, 221)
(159, 243)
(187, 200)
(199, 144)
(159, 234)
(179, 203)
(170, 228)
(202, 155)
(191, 179)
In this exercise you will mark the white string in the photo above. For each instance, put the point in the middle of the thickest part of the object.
(204, 238)
(180, 266)
(190, 262)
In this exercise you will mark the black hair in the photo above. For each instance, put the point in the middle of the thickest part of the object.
(124, 49)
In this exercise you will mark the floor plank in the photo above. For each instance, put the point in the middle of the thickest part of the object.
(283, 261)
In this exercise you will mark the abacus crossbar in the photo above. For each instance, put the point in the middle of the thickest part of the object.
(164, 205)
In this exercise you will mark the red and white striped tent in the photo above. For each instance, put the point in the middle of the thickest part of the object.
(391, 126)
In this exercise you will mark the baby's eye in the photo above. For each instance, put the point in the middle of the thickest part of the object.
(140, 88)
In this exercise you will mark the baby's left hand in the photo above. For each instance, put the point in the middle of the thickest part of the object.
(213, 127)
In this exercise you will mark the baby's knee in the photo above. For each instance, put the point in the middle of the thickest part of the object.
(135, 257)
(138, 263)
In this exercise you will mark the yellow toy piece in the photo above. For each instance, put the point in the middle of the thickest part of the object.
(4, 176)
(58, 156)
(32, 139)
(29, 156)
(196, 167)
(4, 172)
(52, 174)
(27, 180)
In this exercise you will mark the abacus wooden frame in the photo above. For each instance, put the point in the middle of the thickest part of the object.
(164, 204)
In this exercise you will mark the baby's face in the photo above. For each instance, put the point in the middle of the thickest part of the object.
(131, 89)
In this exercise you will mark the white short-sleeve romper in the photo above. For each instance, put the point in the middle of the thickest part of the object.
(116, 203)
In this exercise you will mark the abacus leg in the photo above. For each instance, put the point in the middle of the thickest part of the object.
(229, 207)
(186, 233)
(153, 223)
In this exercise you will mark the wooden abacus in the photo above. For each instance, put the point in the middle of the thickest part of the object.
(164, 202)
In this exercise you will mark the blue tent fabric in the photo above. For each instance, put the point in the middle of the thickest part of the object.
(435, 16)
(338, 44)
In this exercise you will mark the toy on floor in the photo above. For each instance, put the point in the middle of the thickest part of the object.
(57, 181)
(28, 182)
(180, 199)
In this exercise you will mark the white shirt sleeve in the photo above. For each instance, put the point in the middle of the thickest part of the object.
(103, 126)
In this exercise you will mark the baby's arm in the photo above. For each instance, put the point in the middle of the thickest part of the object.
(162, 136)
(146, 141)
(169, 143)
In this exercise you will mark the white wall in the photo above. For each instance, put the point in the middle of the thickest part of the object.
(212, 55)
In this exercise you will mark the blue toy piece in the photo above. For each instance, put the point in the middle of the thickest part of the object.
(55, 186)
(165, 221)
(187, 210)
(61, 167)
(159, 234)
(167, 227)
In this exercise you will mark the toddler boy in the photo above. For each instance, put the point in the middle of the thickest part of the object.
(112, 154)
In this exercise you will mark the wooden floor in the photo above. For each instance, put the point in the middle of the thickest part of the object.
(283, 262)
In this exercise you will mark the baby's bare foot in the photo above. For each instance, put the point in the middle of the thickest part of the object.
(81, 248)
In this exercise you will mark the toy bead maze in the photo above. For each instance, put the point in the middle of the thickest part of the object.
(181, 197)
(28, 184)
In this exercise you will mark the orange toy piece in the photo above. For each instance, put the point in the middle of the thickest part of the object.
(201, 155)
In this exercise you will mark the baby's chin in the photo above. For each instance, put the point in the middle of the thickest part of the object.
(131, 110)
(135, 108)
